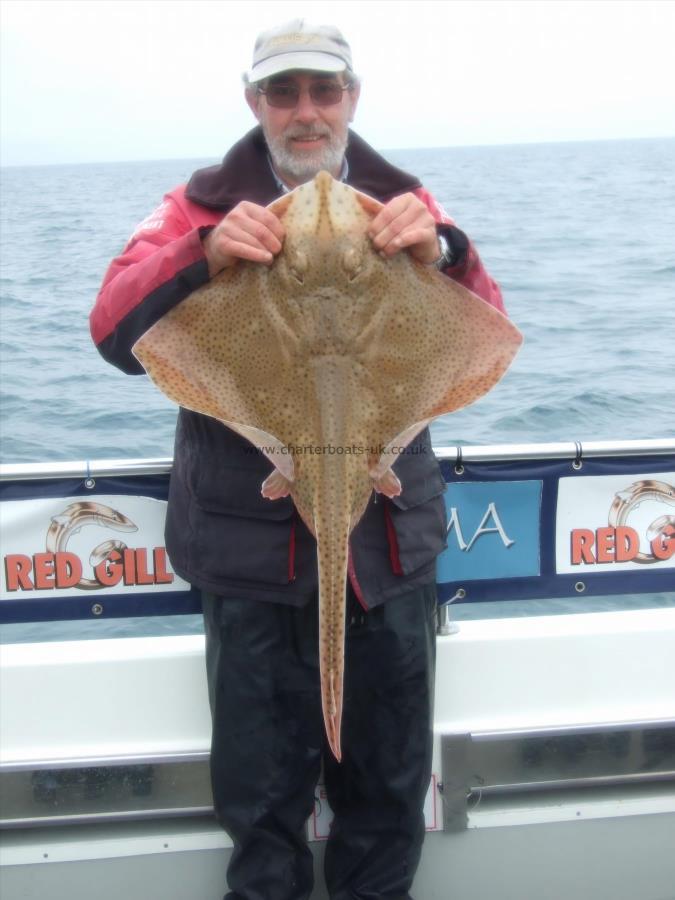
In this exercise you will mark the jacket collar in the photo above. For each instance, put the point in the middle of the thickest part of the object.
(245, 174)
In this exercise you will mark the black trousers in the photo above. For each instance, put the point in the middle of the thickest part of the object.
(268, 744)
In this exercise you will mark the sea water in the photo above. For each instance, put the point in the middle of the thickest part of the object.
(580, 236)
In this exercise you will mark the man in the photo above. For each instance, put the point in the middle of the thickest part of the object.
(253, 559)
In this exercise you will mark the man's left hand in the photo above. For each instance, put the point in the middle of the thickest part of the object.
(405, 223)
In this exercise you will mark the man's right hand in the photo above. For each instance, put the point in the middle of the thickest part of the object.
(248, 232)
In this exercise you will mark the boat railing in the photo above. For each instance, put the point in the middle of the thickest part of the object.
(565, 450)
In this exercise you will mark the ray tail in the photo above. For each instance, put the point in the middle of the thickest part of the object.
(333, 502)
(332, 534)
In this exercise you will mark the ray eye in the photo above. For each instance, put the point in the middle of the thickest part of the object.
(352, 262)
(297, 265)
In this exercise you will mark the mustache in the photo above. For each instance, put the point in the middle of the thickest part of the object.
(300, 132)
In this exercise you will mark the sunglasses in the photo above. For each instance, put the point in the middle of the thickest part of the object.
(285, 95)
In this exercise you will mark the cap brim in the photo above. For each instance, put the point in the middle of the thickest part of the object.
(285, 62)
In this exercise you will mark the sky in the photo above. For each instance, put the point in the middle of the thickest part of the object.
(108, 80)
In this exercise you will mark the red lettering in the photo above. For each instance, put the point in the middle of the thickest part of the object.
(109, 572)
(129, 566)
(605, 545)
(68, 569)
(663, 545)
(142, 576)
(17, 572)
(43, 570)
(582, 546)
(620, 544)
(159, 560)
(627, 543)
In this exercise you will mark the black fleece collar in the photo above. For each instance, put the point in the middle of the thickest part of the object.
(245, 174)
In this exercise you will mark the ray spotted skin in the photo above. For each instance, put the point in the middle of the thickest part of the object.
(323, 359)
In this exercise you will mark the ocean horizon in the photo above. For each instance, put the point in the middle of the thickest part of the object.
(384, 152)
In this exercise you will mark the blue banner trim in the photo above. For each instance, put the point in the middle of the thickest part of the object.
(562, 586)
(112, 606)
(156, 486)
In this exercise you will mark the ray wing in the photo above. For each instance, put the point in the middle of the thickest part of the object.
(223, 352)
(435, 348)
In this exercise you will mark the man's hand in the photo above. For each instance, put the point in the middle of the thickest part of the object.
(248, 232)
(405, 223)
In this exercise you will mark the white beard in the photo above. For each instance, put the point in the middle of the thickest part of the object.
(302, 167)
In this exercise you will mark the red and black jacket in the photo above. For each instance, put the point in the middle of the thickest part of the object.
(222, 536)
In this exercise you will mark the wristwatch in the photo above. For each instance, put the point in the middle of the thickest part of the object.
(445, 260)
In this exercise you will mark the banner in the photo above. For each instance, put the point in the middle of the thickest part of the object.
(75, 548)
(98, 551)
(550, 528)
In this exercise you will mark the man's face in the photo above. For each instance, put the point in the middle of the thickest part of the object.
(308, 137)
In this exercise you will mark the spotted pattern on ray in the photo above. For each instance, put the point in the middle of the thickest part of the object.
(331, 346)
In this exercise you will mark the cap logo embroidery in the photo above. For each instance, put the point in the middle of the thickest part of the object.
(296, 38)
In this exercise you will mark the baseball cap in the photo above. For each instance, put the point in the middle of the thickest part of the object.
(299, 45)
